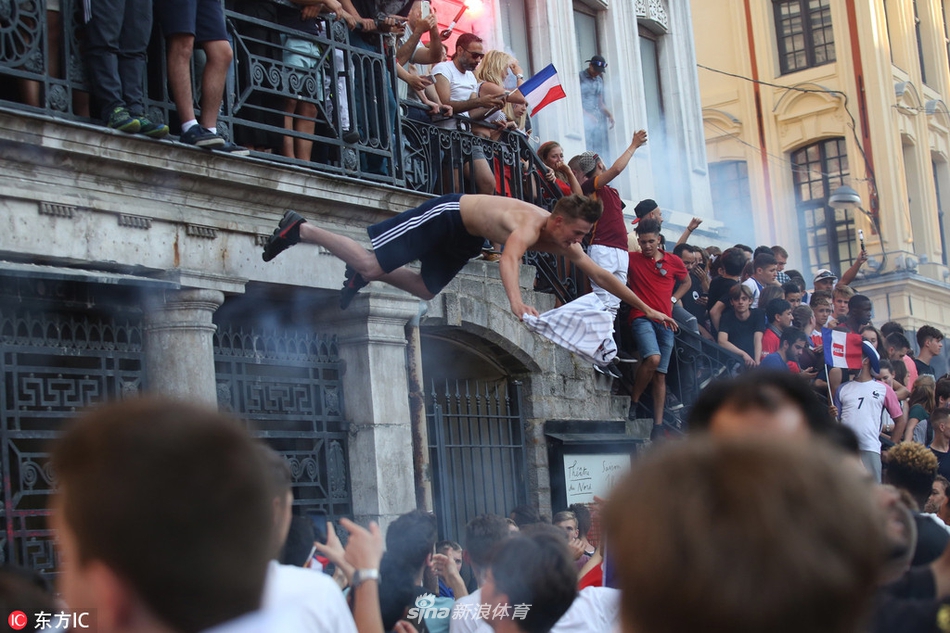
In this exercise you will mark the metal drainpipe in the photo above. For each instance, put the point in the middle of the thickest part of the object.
(422, 476)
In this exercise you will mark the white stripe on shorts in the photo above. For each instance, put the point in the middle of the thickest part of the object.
(403, 228)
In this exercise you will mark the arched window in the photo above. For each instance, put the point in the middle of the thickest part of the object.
(827, 234)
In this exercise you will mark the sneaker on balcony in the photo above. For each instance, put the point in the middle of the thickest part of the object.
(285, 235)
(351, 137)
(201, 137)
(232, 148)
(120, 119)
(609, 370)
(353, 284)
(672, 403)
(151, 129)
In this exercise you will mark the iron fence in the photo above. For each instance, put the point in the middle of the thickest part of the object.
(288, 386)
(476, 444)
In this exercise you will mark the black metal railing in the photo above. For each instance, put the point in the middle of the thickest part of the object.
(697, 361)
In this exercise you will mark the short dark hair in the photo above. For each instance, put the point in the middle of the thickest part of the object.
(798, 279)
(856, 299)
(535, 568)
(648, 226)
(890, 327)
(942, 389)
(940, 413)
(928, 331)
(791, 335)
(761, 250)
(733, 261)
(897, 341)
(175, 499)
(790, 287)
(776, 307)
(778, 251)
(682, 247)
(482, 534)
(577, 207)
(763, 260)
(411, 538)
(743, 247)
(467, 39)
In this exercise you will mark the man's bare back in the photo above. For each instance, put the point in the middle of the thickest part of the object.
(496, 218)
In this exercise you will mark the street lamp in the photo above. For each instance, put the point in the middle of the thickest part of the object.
(844, 197)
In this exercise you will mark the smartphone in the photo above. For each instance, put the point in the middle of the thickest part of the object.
(425, 9)
(319, 520)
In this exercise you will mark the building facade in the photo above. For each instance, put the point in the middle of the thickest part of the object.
(131, 265)
(801, 97)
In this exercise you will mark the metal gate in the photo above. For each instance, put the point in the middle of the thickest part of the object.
(287, 385)
(476, 451)
(55, 362)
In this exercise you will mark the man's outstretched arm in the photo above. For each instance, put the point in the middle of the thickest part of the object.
(615, 287)
(510, 266)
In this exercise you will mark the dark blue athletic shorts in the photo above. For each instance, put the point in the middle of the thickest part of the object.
(432, 233)
(202, 18)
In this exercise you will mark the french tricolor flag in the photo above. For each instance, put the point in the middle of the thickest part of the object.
(842, 349)
(542, 89)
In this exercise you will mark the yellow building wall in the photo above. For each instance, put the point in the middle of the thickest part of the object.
(907, 119)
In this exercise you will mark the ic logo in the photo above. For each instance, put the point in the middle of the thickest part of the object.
(17, 620)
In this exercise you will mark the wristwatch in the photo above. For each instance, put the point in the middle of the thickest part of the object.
(362, 575)
(519, 76)
(674, 299)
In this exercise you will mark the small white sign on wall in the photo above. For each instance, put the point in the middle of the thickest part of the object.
(589, 475)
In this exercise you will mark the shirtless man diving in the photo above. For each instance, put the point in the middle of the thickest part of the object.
(444, 233)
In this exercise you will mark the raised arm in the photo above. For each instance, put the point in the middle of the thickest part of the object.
(623, 160)
(433, 52)
(852, 272)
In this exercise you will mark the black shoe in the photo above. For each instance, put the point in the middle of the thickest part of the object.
(201, 137)
(608, 370)
(232, 149)
(672, 403)
(658, 433)
(285, 235)
(351, 137)
(354, 282)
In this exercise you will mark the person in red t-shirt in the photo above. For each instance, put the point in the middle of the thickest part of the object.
(653, 275)
(608, 244)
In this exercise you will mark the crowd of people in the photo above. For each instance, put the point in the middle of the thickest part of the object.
(170, 518)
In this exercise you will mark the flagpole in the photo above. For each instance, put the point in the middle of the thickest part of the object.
(831, 398)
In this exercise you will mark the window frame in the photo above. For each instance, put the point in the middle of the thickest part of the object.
(807, 34)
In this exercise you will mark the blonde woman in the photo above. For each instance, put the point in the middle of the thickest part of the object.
(491, 74)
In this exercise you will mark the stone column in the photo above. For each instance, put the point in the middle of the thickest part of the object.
(179, 348)
(372, 342)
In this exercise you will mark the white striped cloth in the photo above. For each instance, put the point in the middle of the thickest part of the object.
(583, 326)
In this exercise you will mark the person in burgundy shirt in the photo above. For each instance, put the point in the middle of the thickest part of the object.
(654, 275)
(608, 244)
